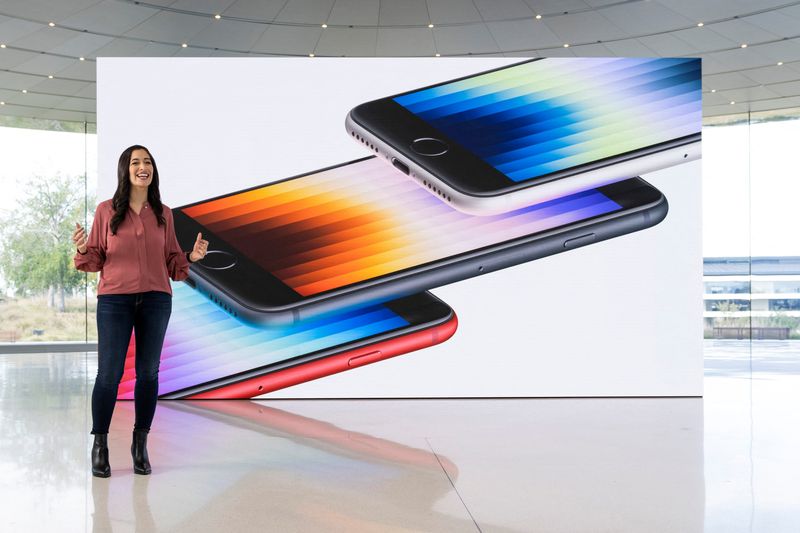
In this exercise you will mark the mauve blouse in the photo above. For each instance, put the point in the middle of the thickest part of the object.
(141, 257)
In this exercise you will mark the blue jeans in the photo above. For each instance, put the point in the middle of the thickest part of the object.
(147, 314)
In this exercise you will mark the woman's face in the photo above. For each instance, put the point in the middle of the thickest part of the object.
(141, 168)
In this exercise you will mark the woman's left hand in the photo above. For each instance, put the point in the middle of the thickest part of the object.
(199, 250)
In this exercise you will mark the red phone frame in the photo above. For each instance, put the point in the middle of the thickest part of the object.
(326, 366)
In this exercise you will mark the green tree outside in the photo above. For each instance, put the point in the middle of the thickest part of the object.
(37, 250)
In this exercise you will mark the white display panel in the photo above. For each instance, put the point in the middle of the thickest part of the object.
(618, 318)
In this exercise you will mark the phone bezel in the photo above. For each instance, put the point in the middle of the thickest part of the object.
(422, 311)
(459, 168)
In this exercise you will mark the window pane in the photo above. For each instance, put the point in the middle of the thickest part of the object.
(751, 246)
(42, 296)
(726, 230)
(775, 208)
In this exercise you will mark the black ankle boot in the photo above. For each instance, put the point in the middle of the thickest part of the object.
(141, 462)
(100, 466)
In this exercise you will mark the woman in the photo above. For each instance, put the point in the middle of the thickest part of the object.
(133, 246)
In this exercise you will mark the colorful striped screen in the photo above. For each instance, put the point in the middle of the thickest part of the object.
(545, 116)
(364, 220)
(204, 343)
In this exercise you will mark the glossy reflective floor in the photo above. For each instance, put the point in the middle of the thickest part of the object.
(727, 462)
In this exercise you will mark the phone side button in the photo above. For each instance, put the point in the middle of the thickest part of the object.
(579, 241)
(365, 359)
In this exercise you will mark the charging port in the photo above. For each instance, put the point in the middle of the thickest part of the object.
(400, 165)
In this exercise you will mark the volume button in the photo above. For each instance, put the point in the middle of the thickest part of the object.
(579, 241)
(365, 359)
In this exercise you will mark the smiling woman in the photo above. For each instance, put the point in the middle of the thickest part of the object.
(133, 246)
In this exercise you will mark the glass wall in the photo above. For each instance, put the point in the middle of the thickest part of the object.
(47, 179)
(752, 288)
(751, 245)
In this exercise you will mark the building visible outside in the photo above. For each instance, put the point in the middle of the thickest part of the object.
(758, 297)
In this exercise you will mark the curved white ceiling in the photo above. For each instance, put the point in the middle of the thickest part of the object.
(45, 61)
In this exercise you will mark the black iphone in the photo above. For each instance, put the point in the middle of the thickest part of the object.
(362, 232)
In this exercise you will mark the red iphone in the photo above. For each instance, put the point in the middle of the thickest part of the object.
(210, 354)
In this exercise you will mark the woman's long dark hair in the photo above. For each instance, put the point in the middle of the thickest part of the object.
(122, 195)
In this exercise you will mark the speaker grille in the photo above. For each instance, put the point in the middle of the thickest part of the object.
(437, 190)
(363, 141)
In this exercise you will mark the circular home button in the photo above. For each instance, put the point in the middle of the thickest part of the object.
(429, 146)
(217, 260)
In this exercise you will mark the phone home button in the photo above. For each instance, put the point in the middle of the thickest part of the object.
(217, 260)
(429, 146)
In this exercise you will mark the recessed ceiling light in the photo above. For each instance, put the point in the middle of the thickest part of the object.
(2, 45)
(2, 103)
(732, 102)
(538, 17)
(217, 17)
(311, 55)
(430, 25)
(780, 63)
(566, 45)
(438, 55)
(744, 45)
(50, 76)
(184, 45)
(81, 59)
(24, 91)
(51, 24)
(324, 26)
(700, 24)
(713, 90)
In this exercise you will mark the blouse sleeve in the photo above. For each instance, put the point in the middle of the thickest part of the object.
(95, 256)
(177, 262)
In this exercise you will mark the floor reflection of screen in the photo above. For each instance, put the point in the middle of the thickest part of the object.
(298, 473)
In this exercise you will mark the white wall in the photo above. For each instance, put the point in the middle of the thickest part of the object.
(619, 318)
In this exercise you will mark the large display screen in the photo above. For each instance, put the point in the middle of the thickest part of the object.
(204, 343)
(544, 116)
(364, 220)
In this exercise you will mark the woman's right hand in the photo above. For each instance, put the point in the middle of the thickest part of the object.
(79, 238)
